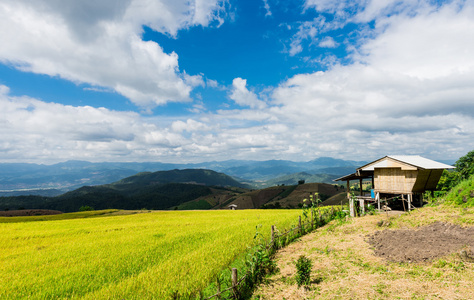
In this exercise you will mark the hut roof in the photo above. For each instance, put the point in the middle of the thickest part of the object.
(407, 162)
(410, 161)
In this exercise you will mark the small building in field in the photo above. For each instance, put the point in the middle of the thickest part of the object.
(233, 206)
(402, 175)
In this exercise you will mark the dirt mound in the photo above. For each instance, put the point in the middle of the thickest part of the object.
(29, 212)
(424, 244)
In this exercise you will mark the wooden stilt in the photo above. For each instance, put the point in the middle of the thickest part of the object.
(377, 197)
(351, 207)
(409, 201)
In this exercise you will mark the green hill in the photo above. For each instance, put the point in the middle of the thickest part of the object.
(191, 176)
(159, 190)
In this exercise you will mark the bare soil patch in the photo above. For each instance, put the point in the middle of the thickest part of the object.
(423, 244)
(29, 212)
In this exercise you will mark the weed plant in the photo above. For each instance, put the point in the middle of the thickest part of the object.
(303, 271)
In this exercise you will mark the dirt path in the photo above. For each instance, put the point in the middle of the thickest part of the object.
(421, 256)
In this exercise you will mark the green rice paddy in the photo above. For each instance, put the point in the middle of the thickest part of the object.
(139, 256)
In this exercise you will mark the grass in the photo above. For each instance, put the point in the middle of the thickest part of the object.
(138, 256)
(344, 266)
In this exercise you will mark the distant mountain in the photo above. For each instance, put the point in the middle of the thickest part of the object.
(159, 190)
(28, 179)
(40, 192)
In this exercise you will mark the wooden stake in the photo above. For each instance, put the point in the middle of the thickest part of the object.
(377, 197)
(409, 202)
(218, 289)
(273, 235)
(234, 281)
(299, 224)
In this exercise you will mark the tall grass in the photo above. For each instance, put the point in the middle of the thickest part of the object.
(155, 255)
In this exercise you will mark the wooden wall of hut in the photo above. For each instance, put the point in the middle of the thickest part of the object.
(394, 180)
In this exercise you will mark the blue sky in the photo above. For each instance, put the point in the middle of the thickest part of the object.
(190, 81)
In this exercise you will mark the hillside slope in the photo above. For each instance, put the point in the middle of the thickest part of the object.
(425, 254)
(286, 196)
(33, 179)
(159, 190)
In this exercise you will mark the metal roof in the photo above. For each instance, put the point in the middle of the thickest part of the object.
(414, 160)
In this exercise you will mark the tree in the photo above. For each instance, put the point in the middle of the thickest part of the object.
(465, 165)
(464, 169)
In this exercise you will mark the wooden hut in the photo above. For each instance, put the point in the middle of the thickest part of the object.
(397, 175)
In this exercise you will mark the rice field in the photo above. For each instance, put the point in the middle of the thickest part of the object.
(140, 256)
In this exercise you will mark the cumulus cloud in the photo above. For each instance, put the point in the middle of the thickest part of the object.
(190, 125)
(431, 45)
(34, 130)
(242, 96)
(99, 43)
(408, 90)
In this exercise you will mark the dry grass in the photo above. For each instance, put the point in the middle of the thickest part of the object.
(344, 266)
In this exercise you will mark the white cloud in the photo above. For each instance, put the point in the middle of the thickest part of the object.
(432, 45)
(268, 12)
(190, 125)
(242, 96)
(328, 42)
(99, 43)
(306, 31)
(409, 91)
(37, 131)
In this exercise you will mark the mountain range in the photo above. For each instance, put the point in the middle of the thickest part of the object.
(51, 180)
(175, 189)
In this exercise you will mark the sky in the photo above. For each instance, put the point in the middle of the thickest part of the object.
(210, 80)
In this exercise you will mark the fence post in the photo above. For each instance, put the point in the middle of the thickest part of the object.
(273, 236)
(218, 289)
(299, 224)
(235, 279)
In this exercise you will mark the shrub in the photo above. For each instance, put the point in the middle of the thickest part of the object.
(86, 208)
(303, 270)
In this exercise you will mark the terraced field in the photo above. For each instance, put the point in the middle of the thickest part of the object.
(138, 256)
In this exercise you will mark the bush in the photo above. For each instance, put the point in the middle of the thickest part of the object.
(303, 270)
(86, 208)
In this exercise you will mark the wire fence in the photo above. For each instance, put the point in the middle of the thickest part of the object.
(314, 218)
